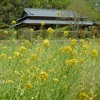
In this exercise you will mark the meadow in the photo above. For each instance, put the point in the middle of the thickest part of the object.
(50, 70)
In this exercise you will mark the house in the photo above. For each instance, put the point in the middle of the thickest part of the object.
(33, 17)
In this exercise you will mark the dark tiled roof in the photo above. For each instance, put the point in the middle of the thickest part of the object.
(51, 13)
(54, 22)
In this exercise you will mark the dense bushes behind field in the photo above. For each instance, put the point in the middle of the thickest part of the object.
(58, 33)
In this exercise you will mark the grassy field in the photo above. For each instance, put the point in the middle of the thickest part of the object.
(50, 70)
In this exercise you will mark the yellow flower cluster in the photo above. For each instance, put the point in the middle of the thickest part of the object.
(84, 47)
(42, 23)
(17, 54)
(73, 42)
(94, 53)
(65, 33)
(3, 56)
(71, 62)
(83, 96)
(66, 49)
(43, 75)
(58, 13)
(4, 47)
(5, 32)
(29, 85)
(13, 22)
(9, 58)
(10, 81)
(33, 56)
(50, 30)
(31, 30)
(56, 80)
(26, 42)
(22, 49)
(46, 43)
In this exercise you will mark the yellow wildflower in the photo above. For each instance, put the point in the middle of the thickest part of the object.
(50, 30)
(65, 33)
(27, 61)
(10, 81)
(22, 75)
(4, 47)
(71, 62)
(28, 71)
(94, 53)
(42, 23)
(5, 32)
(16, 72)
(17, 54)
(26, 42)
(83, 96)
(84, 47)
(32, 75)
(73, 42)
(3, 56)
(15, 33)
(56, 80)
(43, 75)
(22, 49)
(31, 30)
(13, 22)
(9, 58)
(33, 56)
(46, 43)
(29, 85)
(66, 49)
(58, 13)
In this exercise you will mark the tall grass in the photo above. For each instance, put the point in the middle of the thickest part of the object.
(49, 70)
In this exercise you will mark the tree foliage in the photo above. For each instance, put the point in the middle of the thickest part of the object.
(12, 9)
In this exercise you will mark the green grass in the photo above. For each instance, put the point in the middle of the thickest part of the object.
(62, 70)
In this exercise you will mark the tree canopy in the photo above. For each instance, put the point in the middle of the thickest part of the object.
(12, 9)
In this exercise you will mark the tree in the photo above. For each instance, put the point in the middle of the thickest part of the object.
(82, 12)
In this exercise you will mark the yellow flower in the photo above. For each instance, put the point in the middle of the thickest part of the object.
(3, 56)
(33, 56)
(13, 22)
(65, 33)
(27, 61)
(73, 42)
(58, 13)
(42, 23)
(5, 32)
(31, 30)
(84, 47)
(43, 75)
(32, 75)
(4, 47)
(17, 54)
(15, 33)
(66, 49)
(22, 75)
(82, 41)
(16, 72)
(46, 43)
(83, 96)
(55, 80)
(9, 58)
(71, 62)
(22, 49)
(29, 85)
(94, 53)
(28, 71)
(26, 42)
(10, 81)
(50, 30)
